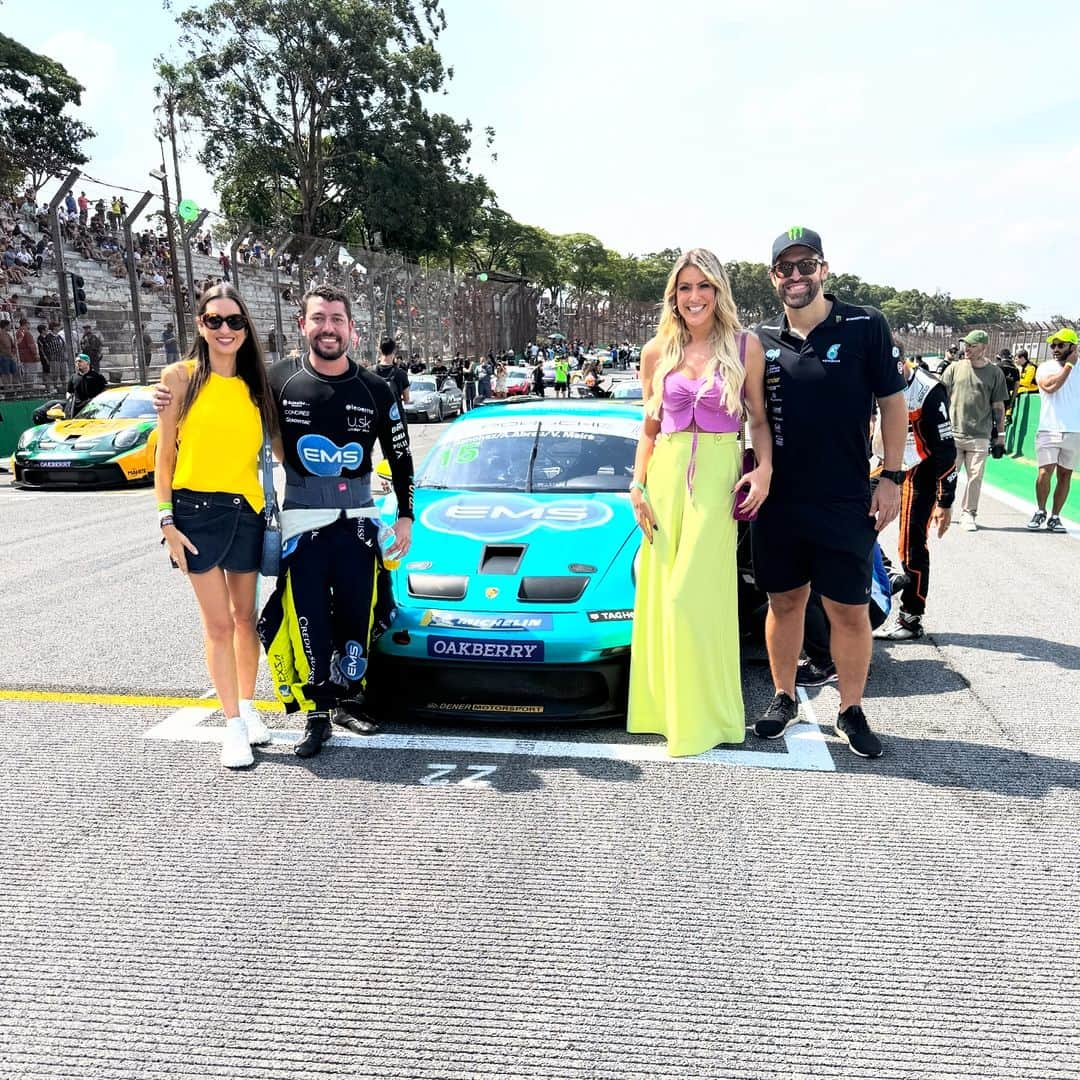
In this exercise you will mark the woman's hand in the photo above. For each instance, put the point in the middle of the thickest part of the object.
(643, 513)
(179, 545)
(756, 485)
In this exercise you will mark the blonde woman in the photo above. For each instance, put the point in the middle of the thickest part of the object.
(698, 374)
(210, 499)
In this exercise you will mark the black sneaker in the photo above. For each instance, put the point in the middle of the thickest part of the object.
(777, 718)
(851, 726)
(1038, 520)
(810, 674)
(1053, 524)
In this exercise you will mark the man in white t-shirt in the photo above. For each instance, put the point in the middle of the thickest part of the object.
(1057, 442)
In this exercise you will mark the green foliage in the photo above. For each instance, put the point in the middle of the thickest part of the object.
(39, 139)
(319, 103)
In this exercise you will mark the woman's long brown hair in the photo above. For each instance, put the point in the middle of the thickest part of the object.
(250, 365)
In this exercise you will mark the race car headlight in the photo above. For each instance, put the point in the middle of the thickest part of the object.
(126, 439)
(26, 438)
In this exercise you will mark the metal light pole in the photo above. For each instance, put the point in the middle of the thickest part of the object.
(187, 231)
(58, 260)
(178, 299)
(241, 236)
(275, 261)
(133, 285)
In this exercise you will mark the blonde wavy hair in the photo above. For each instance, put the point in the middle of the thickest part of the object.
(673, 336)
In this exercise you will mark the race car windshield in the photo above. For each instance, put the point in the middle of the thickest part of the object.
(119, 407)
(422, 385)
(524, 459)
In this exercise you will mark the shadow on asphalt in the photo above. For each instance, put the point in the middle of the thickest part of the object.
(898, 676)
(951, 763)
(1022, 648)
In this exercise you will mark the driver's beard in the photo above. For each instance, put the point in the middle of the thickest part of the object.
(319, 352)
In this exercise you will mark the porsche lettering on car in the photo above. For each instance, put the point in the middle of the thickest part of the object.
(518, 596)
(111, 442)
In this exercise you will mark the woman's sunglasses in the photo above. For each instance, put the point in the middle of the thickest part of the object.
(233, 322)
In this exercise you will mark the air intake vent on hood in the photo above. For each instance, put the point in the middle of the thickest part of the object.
(438, 586)
(551, 590)
(501, 558)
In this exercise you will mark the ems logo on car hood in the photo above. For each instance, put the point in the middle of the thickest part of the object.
(506, 514)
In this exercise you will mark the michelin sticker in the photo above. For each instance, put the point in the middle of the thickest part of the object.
(455, 620)
(507, 514)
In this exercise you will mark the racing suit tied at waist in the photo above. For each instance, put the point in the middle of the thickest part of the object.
(314, 502)
(326, 492)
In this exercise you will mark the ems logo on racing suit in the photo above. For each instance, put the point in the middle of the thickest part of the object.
(483, 517)
(322, 457)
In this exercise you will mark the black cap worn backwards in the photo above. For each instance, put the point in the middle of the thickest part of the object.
(796, 236)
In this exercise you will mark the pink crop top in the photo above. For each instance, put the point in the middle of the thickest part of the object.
(684, 410)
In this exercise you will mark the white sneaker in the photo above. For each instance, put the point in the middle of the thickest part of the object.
(258, 733)
(235, 748)
(967, 521)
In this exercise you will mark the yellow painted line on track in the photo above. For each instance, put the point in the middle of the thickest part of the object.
(145, 701)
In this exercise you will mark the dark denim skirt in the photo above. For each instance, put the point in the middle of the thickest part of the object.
(224, 529)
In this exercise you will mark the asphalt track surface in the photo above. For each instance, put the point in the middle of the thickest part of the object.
(571, 904)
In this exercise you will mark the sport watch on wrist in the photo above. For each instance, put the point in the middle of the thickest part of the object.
(895, 475)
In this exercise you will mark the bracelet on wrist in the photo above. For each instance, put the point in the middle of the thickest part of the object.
(164, 506)
(165, 520)
(637, 485)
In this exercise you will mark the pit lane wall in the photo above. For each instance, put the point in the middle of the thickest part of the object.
(15, 417)
(1015, 473)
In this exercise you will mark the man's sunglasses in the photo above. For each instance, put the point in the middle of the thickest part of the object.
(1060, 344)
(806, 267)
(233, 322)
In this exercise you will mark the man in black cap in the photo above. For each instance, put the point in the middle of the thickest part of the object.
(85, 384)
(825, 364)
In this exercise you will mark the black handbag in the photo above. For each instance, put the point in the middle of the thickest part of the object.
(270, 564)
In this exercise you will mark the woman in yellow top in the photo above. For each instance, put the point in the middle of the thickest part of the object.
(210, 498)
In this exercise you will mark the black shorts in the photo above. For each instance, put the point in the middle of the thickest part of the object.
(830, 548)
(224, 529)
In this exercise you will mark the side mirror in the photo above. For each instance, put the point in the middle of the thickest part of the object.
(55, 413)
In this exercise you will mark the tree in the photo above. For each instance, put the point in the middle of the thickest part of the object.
(39, 138)
(586, 262)
(328, 94)
(753, 292)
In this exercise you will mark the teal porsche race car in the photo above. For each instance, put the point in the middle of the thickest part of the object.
(516, 599)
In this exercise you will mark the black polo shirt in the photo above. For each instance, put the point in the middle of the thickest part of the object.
(819, 396)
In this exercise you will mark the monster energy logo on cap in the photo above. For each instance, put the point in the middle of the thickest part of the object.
(797, 234)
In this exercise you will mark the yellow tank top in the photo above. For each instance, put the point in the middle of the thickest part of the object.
(220, 440)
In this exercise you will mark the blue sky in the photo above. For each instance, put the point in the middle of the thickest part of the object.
(933, 145)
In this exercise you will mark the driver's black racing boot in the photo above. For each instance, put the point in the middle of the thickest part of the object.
(316, 733)
(352, 715)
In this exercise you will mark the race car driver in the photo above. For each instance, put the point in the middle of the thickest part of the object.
(318, 626)
(926, 495)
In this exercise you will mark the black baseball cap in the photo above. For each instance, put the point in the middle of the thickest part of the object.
(796, 236)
